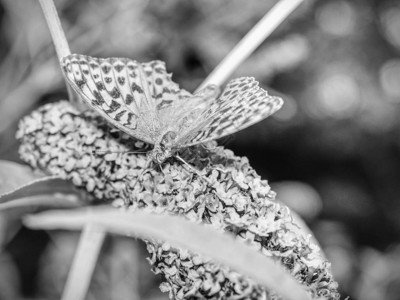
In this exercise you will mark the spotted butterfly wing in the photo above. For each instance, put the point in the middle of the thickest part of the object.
(242, 104)
(142, 100)
(127, 93)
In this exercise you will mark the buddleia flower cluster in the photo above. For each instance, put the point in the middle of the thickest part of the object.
(224, 192)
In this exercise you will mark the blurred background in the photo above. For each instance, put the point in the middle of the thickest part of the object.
(332, 153)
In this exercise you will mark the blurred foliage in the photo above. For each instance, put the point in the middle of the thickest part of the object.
(335, 144)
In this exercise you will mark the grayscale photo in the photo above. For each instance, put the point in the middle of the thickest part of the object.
(199, 149)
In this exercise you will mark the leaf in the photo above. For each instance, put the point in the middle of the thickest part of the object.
(181, 233)
(55, 200)
(42, 186)
(14, 175)
(21, 187)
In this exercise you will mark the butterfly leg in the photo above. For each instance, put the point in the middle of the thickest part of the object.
(191, 169)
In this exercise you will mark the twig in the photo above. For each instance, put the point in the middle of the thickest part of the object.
(84, 263)
(250, 42)
(58, 37)
(56, 31)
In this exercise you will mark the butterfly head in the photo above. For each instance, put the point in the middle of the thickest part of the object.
(163, 149)
(159, 155)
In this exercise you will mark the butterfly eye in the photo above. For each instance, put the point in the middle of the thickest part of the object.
(168, 137)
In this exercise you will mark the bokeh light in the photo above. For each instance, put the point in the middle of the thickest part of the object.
(390, 24)
(336, 17)
(336, 95)
(389, 77)
(300, 197)
(288, 110)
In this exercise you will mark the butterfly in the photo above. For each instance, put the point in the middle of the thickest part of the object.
(142, 100)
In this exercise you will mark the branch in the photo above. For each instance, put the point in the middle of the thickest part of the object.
(250, 42)
(84, 262)
(58, 37)
(56, 31)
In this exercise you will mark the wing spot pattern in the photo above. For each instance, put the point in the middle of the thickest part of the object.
(129, 99)
(115, 93)
(106, 69)
(113, 107)
(119, 115)
(118, 68)
(100, 86)
(129, 120)
(80, 83)
(99, 98)
(121, 80)
(136, 88)
(163, 103)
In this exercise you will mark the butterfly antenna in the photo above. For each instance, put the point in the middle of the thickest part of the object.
(122, 152)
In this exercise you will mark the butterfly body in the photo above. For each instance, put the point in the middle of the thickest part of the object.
(142, 100)
(163, 149)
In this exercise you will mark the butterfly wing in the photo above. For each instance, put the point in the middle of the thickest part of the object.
(123, 91)
(242, 104)
(165, 92)
(188, 108)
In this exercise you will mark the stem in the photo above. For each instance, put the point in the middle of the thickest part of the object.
(56, 31)
(272, 19)
(84, 263)
(58, 37)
